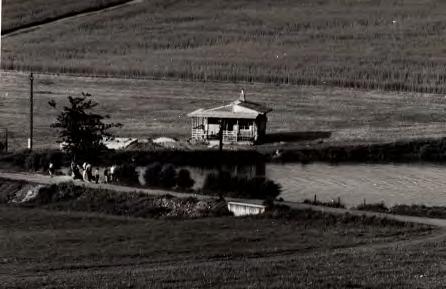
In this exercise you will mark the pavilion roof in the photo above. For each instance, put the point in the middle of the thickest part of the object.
(237, 109)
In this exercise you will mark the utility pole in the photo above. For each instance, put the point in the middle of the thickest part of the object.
(220, 135)
(31, 111)
(1, 33)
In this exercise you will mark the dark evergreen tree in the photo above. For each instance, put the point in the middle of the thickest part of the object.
(81, 130)
(184, 181)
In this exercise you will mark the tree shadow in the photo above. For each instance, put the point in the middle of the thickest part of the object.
(296, 136)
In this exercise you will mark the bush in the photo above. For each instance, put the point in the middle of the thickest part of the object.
(152, 174)
(167, 176)
(331, 204)
(55, 157)
(218, 183)
(184, 180)
(33, 162)
(419, 210)
(407, 210)
(126, 174)
(232, 186)
(377, 207)
(18, 159)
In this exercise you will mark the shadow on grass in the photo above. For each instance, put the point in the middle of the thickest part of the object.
(296, 136)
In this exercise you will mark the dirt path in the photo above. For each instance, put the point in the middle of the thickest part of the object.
(91, 11)
(44, 179)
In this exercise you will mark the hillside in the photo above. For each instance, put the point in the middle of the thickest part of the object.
(395, 44)
(25, 13)
(54, 248)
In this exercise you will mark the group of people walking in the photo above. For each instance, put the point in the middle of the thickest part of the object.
(85, 173)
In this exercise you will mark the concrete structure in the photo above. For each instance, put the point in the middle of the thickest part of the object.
(241, 121)
(119, 143)
(112, 143)
(244, 209)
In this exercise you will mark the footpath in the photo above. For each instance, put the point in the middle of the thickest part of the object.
(47, 180)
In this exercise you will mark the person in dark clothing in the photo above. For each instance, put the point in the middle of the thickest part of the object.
(75, 171)
(96, 176)
(106, 175)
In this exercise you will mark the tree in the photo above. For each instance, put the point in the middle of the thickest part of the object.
(152, 174)
(168, 176)
(127, 174)
(184, 180)
(81, 130)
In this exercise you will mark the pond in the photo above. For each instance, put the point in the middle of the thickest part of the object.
(353, 183)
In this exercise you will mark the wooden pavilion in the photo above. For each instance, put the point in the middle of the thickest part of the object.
(241, 121)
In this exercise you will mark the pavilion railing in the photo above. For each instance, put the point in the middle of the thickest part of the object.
(228, 135)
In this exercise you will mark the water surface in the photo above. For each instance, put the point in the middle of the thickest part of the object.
(390, 183)
(353, 183)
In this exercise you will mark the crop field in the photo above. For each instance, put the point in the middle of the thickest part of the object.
(150, 108)
(394, 44)
(24, 13)
(41, 249)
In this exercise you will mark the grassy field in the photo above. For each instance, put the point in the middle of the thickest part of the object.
(43, 249)
(24, 13)
(153, 108)
(394, 44)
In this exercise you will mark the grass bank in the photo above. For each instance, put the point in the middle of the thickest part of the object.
(41, 248)
(438, 212)
(68, 197)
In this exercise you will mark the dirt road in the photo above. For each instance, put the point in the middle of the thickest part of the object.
(44, 179)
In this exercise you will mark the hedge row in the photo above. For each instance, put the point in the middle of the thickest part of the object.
(433, 150)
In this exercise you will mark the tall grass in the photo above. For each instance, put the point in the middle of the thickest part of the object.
(395, 45)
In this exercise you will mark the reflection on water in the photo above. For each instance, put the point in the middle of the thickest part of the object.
(251, 171)
(353, 183)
